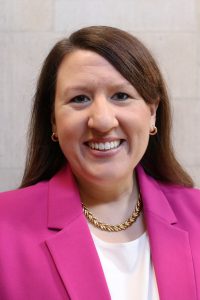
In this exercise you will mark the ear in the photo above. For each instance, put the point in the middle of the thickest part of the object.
(53, 123)
(153, 109)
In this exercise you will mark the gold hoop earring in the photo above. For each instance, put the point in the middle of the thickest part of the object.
(54, 137)
(153, 131)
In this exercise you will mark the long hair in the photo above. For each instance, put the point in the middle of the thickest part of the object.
(134, 61)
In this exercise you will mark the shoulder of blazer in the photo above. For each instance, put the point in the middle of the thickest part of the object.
(180, 193)
(184, 201)
(21, 193)
(16, 204)
(163, 199)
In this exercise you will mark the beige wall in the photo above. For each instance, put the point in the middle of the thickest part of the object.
(28, 28)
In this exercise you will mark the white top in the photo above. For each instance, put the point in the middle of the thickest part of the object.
(128, 269)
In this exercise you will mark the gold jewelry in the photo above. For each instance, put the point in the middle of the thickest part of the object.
(153, 131)
(54, 137)
(114, 228)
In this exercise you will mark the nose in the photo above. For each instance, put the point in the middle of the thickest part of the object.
(102, 116)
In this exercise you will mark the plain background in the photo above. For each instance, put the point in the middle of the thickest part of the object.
(29, 28)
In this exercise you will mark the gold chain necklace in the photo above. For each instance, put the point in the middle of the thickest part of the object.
(114, 228)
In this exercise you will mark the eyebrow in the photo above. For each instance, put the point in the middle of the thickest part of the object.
(123, 84)
(86, 89)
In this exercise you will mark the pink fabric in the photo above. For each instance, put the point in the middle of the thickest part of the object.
(47, 252)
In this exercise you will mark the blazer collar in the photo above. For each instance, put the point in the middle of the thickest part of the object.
(64, 200)
(64, 203)
(154, 200)
(169, 243)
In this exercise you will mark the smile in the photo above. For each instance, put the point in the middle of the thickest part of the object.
(104, 146)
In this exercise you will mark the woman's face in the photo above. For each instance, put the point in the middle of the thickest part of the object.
(101, 121)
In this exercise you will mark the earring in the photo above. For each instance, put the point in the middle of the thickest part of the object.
(54, 137)
(153, 131)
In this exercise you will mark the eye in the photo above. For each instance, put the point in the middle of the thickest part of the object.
(120, 96)
(80, 99)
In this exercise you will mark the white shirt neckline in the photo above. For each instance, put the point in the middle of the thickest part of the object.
(128, 268)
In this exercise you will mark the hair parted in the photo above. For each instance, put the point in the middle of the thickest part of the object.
(134, 61)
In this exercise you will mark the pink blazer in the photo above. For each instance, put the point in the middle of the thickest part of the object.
(47, 252)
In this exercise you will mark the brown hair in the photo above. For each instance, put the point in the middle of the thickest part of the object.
(132, 59)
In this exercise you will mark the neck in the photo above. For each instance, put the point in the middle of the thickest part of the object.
(93, 194)
(113, 205)
(103, 200)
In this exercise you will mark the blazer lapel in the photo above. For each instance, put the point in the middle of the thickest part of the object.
(170, 246)
(72, 248)
(75, 256)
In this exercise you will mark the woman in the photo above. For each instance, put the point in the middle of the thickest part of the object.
(104, 211)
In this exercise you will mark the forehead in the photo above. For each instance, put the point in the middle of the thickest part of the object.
(86, 66)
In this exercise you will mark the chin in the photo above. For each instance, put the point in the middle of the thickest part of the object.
(106, 177)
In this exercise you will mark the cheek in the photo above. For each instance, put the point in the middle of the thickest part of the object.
(137, 128)
(67, 124)
(138, 124)
(70, 130)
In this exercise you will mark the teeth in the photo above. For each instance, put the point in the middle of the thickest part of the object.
(104, 146)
